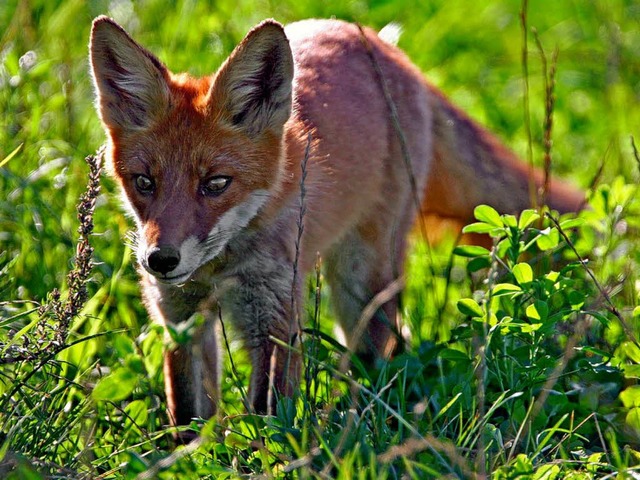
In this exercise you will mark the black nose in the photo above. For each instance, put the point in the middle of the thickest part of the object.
(163, 259)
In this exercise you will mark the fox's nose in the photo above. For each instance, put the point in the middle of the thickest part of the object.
(163, 259)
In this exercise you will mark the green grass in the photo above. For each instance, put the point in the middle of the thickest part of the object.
(514, 372)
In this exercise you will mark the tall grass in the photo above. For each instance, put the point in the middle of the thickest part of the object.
(524, 372)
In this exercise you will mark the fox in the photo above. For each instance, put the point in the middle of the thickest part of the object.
(318, 138)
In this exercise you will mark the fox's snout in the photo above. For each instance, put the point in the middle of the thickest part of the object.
(173, 261)
(162, 259)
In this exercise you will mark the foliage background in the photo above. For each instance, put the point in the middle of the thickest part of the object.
(472, 50)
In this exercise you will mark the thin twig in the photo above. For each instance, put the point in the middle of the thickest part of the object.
(295, 319)
(406, 155)
(300, 224)
(635, 151)
(527, 111)
(234, 370)
(382, 297)
(595, 181)
(610, 306)
(311, 370)
(548, 75)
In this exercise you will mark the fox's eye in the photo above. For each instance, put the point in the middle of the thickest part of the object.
(144, 184)
(215, 185)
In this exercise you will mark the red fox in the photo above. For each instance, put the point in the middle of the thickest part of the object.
(212, 170)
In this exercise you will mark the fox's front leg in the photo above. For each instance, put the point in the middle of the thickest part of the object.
(192, 368)
(266, 316)
(191, 373)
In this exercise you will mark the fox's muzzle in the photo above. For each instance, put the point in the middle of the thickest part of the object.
(163, 259)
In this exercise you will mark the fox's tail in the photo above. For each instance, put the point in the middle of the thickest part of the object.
(471, 167)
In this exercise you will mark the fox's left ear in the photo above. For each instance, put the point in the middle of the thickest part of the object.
(253, 88)
(131, 83)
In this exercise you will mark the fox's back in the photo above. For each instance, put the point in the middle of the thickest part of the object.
(339, 98)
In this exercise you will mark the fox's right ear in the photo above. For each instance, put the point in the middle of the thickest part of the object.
(252, 90)
(131, 83)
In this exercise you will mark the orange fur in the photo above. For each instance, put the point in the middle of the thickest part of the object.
(212, 170)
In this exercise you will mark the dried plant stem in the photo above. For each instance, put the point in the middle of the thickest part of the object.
(78, 276)
(525, 99)
(549, 76)
(406, 156)
(636, 155)
(56, 315)
(300, 224)
(395, 120)
(609, 304)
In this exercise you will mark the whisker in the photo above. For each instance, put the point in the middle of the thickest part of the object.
(132, 240)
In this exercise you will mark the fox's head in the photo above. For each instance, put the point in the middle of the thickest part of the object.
(196, 158)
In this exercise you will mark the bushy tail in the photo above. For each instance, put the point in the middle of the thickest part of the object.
(471, 167)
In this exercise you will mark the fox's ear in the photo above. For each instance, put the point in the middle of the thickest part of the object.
(131, 83)
(253, 88)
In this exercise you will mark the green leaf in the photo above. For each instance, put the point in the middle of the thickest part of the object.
(504, 289)
(542, 308)
(478, 227)
(18, 336)
(523, 273)
(509, 221)
(503, 246)
(530, 328)
(593, 461)
(116, 386)
(182, 333)
(631, 351)
(469, 307)
(236, 441)
(136, 414)
(631, 371)
(522, 465)
(136, 463)
(594, 352)
(572, 223)
(444, 409)
(630, 396)
(547, 472)
(10, 156)
(135, 363)
(527, 217)
(532, 312)
(478, 263)
(454, 355)
(548, 239)
(576, 299)
(488, 214)
(539, 310)
(471, 251)
(552, 276)
(601, 317)
(633, 418)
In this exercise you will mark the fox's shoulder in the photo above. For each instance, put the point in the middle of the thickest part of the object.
(317, 27)
(326, 33)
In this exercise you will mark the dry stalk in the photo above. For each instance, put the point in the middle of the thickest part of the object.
(525, 99)
(406, 155)
(549, 76)
(56, 315)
